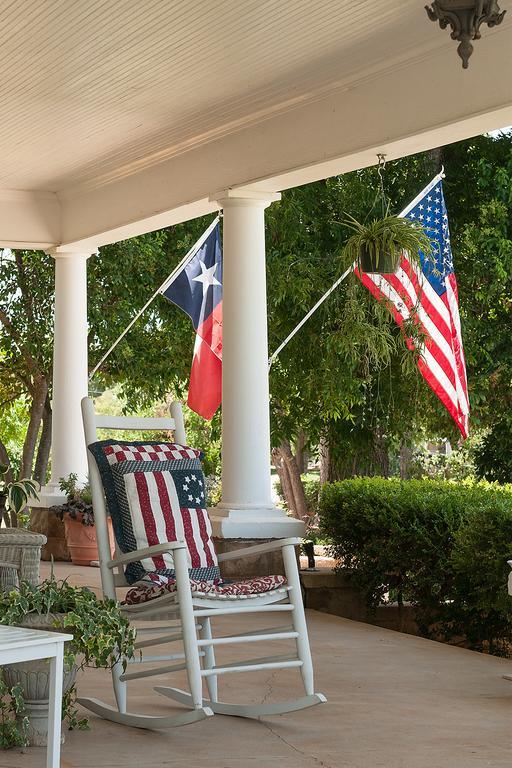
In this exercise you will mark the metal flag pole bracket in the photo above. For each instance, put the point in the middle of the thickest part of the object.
(311, 312)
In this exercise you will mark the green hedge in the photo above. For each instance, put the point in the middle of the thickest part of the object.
(442, 546)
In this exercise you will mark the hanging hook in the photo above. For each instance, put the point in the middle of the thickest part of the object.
(380, 170)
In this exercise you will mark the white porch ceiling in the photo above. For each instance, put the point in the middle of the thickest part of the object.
(119, 116)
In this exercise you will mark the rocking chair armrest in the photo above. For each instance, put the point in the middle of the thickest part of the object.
(258, 549)
(138, 554)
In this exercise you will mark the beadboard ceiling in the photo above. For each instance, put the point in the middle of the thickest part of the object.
(97, 89)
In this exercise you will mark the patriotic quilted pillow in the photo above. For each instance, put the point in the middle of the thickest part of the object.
(156, 492)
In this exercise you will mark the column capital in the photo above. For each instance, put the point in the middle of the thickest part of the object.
(244, 197)
(68, 252)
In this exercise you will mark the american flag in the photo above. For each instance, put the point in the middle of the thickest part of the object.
(429, 294)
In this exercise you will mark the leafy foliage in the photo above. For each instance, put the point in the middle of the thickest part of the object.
(384, 240)
(101, 634)
(79, 500)
(442, 546)
(493, 457)
(457, 465)
(17, 494)
(13, 720)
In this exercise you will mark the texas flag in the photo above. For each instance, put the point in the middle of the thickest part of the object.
(197, 290)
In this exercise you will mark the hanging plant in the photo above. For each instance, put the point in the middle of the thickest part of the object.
(378, 245)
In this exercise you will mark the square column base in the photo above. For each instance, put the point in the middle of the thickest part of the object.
(263, 524)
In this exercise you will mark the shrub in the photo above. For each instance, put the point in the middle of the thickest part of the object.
(442, 546)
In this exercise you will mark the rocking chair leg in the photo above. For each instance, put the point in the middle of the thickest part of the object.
(243, 710)
(209, 658)
(299, 619)
(120, 688)
(188, 626)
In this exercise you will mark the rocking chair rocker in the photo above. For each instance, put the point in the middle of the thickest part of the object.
(175, 574)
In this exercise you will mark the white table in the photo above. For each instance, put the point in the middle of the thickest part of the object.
(18, 644)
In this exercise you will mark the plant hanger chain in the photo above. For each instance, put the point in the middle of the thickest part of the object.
(380, 170)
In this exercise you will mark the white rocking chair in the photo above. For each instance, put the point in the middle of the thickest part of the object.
(190, 612)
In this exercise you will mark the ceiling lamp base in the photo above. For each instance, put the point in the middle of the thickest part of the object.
(465, 18)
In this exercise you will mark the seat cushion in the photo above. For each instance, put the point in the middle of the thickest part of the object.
(156, 492)
(143, 592)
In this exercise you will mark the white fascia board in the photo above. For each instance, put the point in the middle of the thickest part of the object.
(29, 220)
(410, 108)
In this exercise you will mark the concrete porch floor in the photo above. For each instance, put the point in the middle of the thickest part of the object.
(394, 701)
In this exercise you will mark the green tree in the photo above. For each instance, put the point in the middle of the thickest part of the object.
(346, 381)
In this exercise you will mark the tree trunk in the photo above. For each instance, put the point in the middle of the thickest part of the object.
(284, 479)
(300, 507)
(40, 393)
(4, 459)
(7, 478)
(380, 455)
(289, 475)
(405, 458)
(325, 460)
(45, 443)
(301, 456)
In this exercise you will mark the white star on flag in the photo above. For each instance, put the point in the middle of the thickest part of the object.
(207, 277)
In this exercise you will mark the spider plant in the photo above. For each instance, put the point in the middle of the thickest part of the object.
(378, 245)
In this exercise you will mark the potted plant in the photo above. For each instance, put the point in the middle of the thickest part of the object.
(101, 637)
(15, 496)
(378, 245)
(78, 515)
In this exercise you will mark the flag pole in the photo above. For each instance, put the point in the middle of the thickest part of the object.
(167, 282)
(311, 311)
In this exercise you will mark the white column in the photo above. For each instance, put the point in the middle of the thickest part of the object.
(246, 509)
(69, 365)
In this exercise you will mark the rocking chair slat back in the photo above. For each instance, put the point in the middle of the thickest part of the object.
(92, 422)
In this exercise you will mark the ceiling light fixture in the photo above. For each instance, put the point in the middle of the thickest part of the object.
(465, 18)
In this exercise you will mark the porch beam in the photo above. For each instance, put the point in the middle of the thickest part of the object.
(408, 107)
(29, 220)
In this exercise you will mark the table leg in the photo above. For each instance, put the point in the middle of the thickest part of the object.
(55, 708)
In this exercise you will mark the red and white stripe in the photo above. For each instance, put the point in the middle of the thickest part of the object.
(157, 517)
(150, 452)
(408, 294)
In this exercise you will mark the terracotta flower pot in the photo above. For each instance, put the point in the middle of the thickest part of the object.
(81, 540)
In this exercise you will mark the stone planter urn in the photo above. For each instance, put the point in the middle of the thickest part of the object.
(33, 678)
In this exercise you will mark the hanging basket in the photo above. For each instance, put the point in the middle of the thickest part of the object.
(383, 263)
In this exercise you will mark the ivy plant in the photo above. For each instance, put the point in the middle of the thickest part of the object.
(13, 719)
(102, 636)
